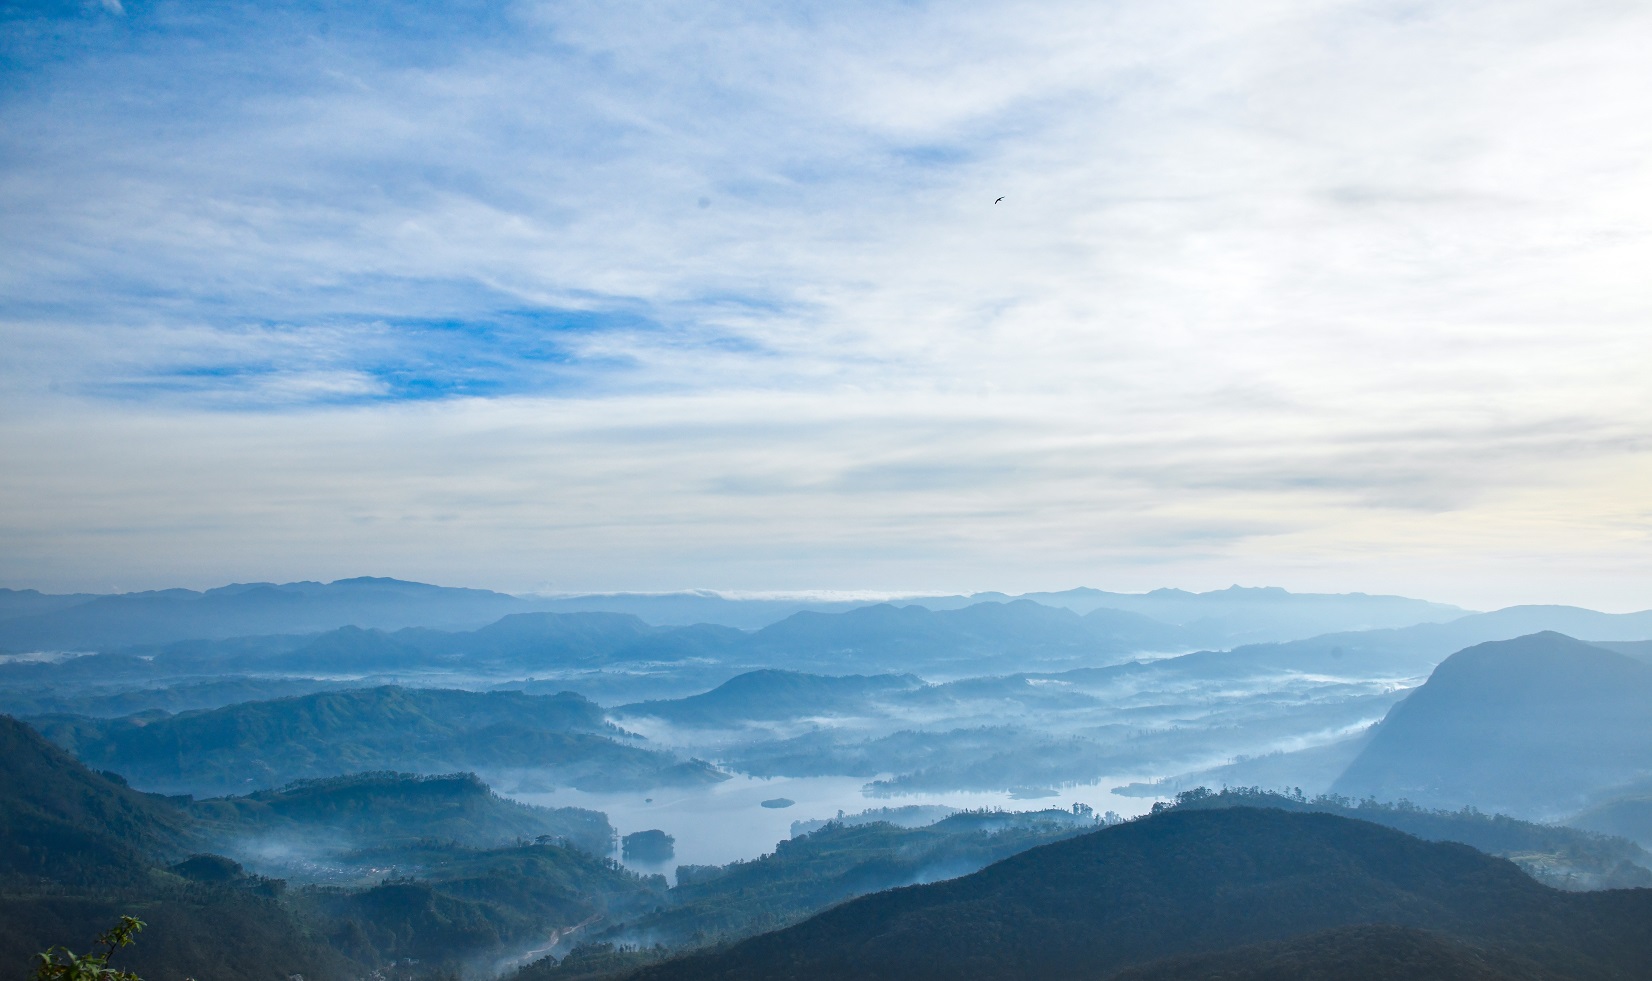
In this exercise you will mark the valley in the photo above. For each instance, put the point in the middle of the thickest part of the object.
(457, 798)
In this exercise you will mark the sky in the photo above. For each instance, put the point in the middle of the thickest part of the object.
(561, 297)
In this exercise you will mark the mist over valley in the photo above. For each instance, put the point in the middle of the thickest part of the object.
(1153, 490)
(428, 762)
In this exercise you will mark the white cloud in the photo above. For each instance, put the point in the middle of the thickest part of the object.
(1299, 292)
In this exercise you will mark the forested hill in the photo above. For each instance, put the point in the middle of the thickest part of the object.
(1357, 953)
(1557, 855)
(64, 822)
(1530, 726)
(773, 694)
(1189, 882)
(387, 809)
(78, 849)
(255, 745)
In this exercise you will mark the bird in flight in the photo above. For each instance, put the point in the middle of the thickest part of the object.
(1000, 199)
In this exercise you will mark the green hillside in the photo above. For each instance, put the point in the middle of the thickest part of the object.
(386, 808)
(1361, 953)
(1188, 882)
(1556, 855)
(773, 694)
(81, 849)
(1534, 726)
(809, 873)
(64, 823)
(255, 745)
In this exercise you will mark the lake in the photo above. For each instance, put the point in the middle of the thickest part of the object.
(726, 822)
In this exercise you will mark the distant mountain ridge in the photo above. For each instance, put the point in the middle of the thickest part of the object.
(30, 620)
(1222, 617)
(1248, 614)
(374, 625)
(243, 609)
(1416, 649)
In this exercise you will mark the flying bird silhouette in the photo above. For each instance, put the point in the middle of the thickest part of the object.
(1000, 199)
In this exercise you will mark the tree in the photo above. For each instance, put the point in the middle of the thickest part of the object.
(61, 963)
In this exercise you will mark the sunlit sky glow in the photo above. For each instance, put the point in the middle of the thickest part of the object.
(566, 296)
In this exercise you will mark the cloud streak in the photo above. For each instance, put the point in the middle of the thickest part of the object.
(668, 294)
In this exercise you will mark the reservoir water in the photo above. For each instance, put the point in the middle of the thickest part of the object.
(727, 822)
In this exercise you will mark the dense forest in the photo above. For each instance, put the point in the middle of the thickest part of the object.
(1191, 881)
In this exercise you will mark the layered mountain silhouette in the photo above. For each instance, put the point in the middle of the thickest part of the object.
(1226, 616)
(242, 609)
(1241, 614)
(1532, 726)
(1210, 883)
(1163, 619)
(1413, 650)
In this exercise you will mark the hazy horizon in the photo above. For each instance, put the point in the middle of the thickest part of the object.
(808, 595)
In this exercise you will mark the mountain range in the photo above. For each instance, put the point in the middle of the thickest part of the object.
(30, 620)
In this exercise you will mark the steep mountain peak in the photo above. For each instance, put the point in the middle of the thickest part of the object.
(1530, 726)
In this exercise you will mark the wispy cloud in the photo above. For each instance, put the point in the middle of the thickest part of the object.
(675, 294)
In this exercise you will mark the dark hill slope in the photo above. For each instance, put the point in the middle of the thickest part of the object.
(1363, 953)
(1528, 726)
(1189, 882)
(808, 873)
(772, 694)
(242, 747)
(61, 821)
(1560, 856)
(78, 850)
(386, 809)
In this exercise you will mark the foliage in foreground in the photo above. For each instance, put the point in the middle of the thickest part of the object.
(63, 964)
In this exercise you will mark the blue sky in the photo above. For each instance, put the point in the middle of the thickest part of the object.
(564, 296)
